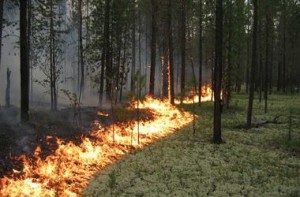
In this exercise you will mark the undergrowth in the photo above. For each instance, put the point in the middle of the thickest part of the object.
(261, 161)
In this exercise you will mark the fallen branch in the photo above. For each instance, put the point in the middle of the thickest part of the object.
(262, 123)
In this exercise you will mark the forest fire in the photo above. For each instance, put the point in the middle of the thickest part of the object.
(207, 93)
(68, 170)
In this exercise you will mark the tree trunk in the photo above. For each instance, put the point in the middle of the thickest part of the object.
(253, 66)
(7, 92)
(1, 28)
(217, 137)
(228, 72)
(133, 63)
(267, 63)
(153, 47)
(108, 66)
(165, 77)
(52, 61)
(200, 53)
(24, 62)
(170, 67)
(81, 87)
(183, 50)
(248, 60)
(259, 83)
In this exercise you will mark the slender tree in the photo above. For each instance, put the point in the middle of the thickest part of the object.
(267, 62)
(183, 47)
(133, 53)
(253, 66)
(217, 138)
(200, 51)
(80, 49)
(1, 26)
(170, 67)
(107, 46)
(24, 62)
(153, 46)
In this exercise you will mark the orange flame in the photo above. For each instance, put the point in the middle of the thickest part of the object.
(99, 113)
(68, 170)
(206, 96)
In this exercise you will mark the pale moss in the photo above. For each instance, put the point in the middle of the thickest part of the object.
(253, 162)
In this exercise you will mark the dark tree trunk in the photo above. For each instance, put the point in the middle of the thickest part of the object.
(153, 47)
(259, 82)
(108, 66)
(170, 67)
(81, 87)
(248, 60)
(133, 62)
(7, 92)
(228, 69)
(267, 63)
(165, 71)
(1, 27)
(183, 50)
(217, 137)
(200, 52)
(52, 61)
(24, 62)
(253, 66)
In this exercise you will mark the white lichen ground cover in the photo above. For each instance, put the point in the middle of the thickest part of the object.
(255, 162)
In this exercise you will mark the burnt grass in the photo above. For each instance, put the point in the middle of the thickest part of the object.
(44, 127)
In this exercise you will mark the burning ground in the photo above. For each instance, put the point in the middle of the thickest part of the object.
(65, 169)
(257, 162)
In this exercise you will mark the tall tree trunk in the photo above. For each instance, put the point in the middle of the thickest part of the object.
(133, 63)
(81, 87)
(183, 49)
(29, 18)
(248, 58)
(7, 92)
(200, 52)
(108, 66)
(228, 69)
(153, 46)
(253, 66)
(1, 28)
(217, 137)
(171, 67)
(267, 63)
(284, 57)
(165, 71)
(24, 62)
(52, 60)
(259, 83)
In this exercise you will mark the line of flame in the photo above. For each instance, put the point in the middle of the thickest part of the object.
(68, 170)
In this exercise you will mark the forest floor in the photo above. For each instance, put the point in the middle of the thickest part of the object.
(17, 139)
(261, 161)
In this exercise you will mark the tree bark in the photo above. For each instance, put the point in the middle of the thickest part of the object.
(170, 67)
(153, 47)
(217, 137)
(253, 66)
(81, 86)
(1, 28)
(7, 92)
(200, 53)
(133, 43)
(267, 63)
(108, 68)
(183, 49)
(24, 62)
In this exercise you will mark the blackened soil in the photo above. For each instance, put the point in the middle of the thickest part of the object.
(44, 127)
